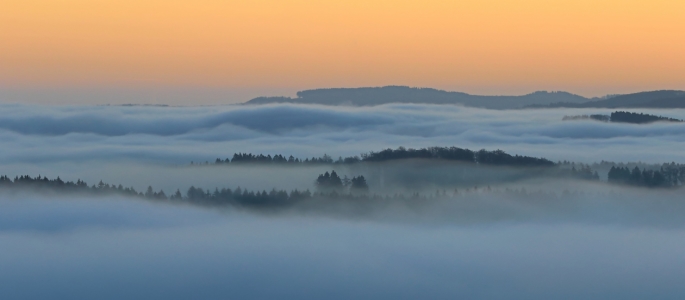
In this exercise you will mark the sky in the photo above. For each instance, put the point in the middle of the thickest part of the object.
(61, 60)
(213, 52)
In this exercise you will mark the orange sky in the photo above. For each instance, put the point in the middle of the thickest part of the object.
(484, 46)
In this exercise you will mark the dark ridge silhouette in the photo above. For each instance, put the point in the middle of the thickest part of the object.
(370, 96)
(497, 157)
(622, 117)
(635, 118)
(434, 166)
(653, 99)
(643, 99)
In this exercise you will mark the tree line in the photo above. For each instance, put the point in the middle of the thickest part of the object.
(622, 117)
(329, 186)
(325, 183)
(246, 198)
(42, 183)
(644, 177)
(641, 118)
(485, 157)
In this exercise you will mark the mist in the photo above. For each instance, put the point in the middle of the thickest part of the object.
(286, 150)
(113, 248)
(141, 146)
(435, 229)
(40, 135)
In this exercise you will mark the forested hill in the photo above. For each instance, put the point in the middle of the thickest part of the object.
(482, 157)
(370, 96)
(623, 117)
(635, 118)
(653, 99)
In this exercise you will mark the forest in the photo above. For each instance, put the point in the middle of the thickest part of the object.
(641, 118)
(330, 185)
(484, 157)
(622, 117)
(329, 188)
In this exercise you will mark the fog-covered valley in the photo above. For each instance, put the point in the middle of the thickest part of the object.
(569, 209)
(115, 248)
(40, 135)
(257, 150)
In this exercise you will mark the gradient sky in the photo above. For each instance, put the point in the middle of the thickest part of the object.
(227, 51)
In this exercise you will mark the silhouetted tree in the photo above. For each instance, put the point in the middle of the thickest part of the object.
(359, 184)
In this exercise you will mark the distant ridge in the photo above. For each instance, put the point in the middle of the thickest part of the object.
(653, 99)
(370, 96)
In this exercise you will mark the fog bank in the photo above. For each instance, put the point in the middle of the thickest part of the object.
(138, 250)
(177, 135)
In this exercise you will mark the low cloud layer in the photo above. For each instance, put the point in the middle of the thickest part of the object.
(120, 249)
(178, 135)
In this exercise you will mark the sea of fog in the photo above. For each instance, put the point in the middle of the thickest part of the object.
(140, 145)
(178, 135)
(115, 248)
(599, 247)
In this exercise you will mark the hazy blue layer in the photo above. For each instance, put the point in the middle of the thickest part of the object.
(178, 135)
(124, 249)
